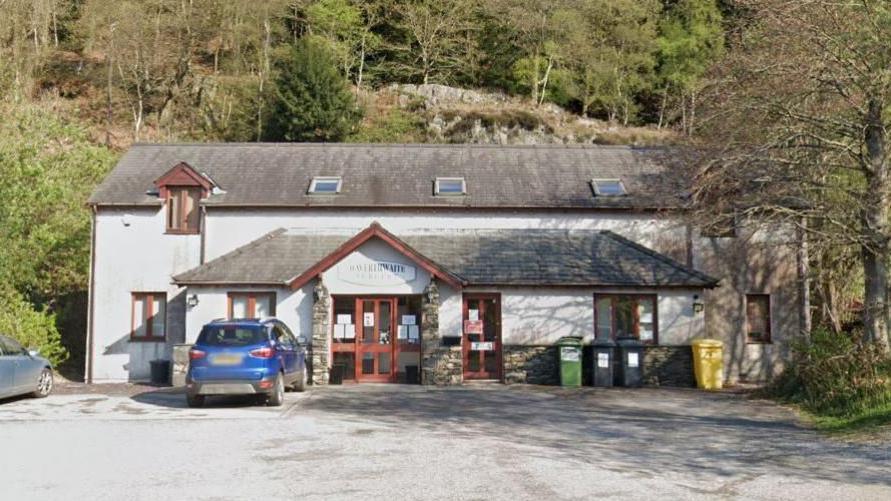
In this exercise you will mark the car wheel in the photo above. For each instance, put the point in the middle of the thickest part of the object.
(277, 397)
(195, 400)
(300, 384)
(44, 384)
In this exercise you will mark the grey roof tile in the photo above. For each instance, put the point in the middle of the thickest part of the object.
(397, 175)
(478, 257)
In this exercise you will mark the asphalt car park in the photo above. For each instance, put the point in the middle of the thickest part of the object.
(410, 442)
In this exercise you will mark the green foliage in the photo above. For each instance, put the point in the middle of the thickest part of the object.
(312, 100)
(691, 38)
(396, 126)
(836, 374)
(31, 327)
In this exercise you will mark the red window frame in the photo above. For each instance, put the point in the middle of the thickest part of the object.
(148, 315)
(766, 337)
(183, 225)
(613, 297)
(251, 302)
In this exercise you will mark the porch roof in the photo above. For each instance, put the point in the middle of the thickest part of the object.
(518, 257)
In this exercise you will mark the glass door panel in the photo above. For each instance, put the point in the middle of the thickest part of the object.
(375, 348)
(482, 337)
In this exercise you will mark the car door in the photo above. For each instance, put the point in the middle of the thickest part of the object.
(299, 350)
(26, 369)
(7, 372)
(285, 349)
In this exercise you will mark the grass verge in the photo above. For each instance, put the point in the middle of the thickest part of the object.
(868, 419)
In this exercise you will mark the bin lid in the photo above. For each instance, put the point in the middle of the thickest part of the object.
(570, 341)
(604, 342)
(707, 343)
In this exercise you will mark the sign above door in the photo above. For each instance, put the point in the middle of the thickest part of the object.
(361, 270)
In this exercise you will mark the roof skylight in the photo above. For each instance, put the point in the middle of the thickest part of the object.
(325, 185)
(450, 186)
(608, 187)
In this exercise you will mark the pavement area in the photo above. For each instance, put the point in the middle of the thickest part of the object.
(410, 442)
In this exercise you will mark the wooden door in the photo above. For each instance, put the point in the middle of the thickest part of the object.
(481, 345)
(376, 330)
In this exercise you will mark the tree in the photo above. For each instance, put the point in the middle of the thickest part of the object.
(312, 101)
(691, 39)
(797, 130)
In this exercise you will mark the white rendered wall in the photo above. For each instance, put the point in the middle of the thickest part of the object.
(229, 229)
(133, 254)
(294, 308)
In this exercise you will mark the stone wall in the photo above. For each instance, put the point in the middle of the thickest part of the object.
(530, 364)
(668, 366)
(440, 365)
(318, 349)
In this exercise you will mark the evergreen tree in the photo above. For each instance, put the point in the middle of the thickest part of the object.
(312, 101)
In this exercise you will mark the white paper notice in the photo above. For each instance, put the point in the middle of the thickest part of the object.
(408, 320)
(413, 332)
(368, 319)
(603, 360)
(633, 360)
(473, 315)
(338, 331)
(344, 319)
(349, 331)
(402, 332)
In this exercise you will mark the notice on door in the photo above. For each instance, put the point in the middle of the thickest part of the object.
(368, 319)
(473, 327)
(603, 360)
(482, 346)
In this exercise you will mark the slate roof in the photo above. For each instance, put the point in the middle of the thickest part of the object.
(477, 257)
(398, 175)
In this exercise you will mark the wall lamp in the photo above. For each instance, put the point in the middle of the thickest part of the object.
(192, 301)
(698, 306)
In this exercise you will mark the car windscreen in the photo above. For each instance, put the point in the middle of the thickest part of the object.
(231, 335)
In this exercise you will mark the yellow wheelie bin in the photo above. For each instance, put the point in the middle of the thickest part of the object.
(708, 363)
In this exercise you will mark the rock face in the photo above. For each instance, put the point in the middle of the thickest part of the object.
(456, 115)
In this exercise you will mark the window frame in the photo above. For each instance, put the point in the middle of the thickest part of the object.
(147, 315)
(595, 186)
(182, 194)
(613, 296)
(437, 187)
(768, 338)
(313, 185)
(252, 302)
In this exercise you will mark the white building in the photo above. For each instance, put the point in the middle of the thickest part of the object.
(426, 263)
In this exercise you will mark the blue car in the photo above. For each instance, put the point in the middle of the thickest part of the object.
(246, 357)
(22, 371)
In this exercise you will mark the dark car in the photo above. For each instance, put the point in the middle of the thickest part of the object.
(23, 371)
(246, 357)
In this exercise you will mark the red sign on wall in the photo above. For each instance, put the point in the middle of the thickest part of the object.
(473, 327)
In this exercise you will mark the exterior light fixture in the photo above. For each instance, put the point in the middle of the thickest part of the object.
(698, 306)
(192, 301)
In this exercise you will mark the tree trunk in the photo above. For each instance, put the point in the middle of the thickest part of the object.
(662, 107)
(875, 250)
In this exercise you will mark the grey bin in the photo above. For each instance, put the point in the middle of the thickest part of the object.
(603, 362)
(160, 371)
(630, 363)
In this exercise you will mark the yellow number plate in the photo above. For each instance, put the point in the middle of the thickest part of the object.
(226, 359)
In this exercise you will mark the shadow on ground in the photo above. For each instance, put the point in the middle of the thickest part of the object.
(647, 431)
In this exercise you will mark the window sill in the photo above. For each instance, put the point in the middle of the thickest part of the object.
(143, 339)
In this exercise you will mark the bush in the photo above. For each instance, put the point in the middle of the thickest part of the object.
(836, 374)
(31, 327)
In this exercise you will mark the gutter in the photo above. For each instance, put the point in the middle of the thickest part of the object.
(91, 299)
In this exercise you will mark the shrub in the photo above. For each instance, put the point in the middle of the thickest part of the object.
(836, 374)
(31, 327)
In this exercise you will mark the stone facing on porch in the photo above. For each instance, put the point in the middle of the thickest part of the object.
(440, 365)
(668, 366)
(530, 364)
(321, 318)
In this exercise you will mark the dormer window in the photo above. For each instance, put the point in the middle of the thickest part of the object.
(450, 186)
(608, 187)
(325, 185)
(182, 209)
(182, 188)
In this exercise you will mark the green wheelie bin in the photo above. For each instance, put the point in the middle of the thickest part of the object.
(570, 350)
